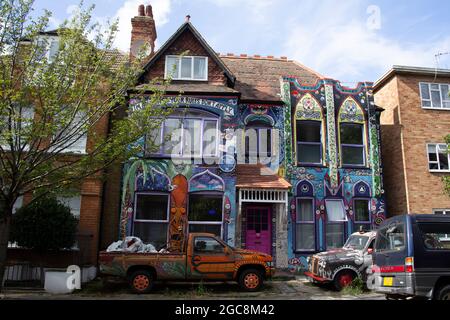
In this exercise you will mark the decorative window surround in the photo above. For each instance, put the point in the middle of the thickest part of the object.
(435, 95)
(305, 224)
(438, 160)
(186, 68)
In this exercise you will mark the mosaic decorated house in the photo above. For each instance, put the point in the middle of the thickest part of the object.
(272, 156)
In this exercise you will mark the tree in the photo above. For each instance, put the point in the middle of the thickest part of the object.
(44, 225)
(50, 100)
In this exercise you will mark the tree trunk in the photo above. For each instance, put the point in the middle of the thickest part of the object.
(5, 224)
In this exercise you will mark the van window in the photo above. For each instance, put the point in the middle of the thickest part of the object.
(391, 238)
(435, 235)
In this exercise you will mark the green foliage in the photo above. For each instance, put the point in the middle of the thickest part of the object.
(47, 104)
(45, 224)
(357, 287)
(446, 179)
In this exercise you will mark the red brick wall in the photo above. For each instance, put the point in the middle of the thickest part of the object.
(189, 44)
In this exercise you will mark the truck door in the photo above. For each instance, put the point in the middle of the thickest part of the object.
(210, 259)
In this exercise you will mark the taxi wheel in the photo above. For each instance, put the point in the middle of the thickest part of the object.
(444, 293)
(343, 279)
(141, 281)
(251, 280)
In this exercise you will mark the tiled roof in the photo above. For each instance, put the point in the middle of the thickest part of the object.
(120, 57)
(258, 78)
(257, 176)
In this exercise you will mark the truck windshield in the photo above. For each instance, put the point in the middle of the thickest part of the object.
(391, 238)
(356, 242)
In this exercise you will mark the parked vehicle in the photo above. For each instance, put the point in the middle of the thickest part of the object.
(342, 266)
(205, 257)
(412, 257)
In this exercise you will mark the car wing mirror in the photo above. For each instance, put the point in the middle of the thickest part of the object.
(369, 251)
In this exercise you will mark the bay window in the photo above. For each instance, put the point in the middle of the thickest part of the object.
(186, 68)
(73, 137)
(335, 226)
(352, 144)
(304, 225)
(435, 95)
(151, 218)
(309, 142)
(438, 158)
(205, 213)
(187, 136)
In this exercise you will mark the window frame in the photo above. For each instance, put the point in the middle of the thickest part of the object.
(166, 71)
(252, 155)
(358, 222)
(441, 94)
(206, 193)
(181, 155)
(343, 223)
(363, 145)
(297, 222)
(437, 161)
(297, 142)
(138, 193)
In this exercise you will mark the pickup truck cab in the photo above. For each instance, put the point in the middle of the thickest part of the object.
(341, 266)
(205, 257)
(412, 257)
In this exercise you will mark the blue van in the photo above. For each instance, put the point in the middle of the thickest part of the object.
(412, 257)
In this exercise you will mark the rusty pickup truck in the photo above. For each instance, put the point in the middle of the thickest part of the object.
(205, 258)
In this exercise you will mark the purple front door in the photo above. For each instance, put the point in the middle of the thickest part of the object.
(258, 229)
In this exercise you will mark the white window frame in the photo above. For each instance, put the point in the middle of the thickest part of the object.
(181, 155)
(305, 222)
(178, 76)
(438, 146)
(48, 50)
(28, 114)
(151, 194)
(444, 96)
(208, 222)
(74, 148)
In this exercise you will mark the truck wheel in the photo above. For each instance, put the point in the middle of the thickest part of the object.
(343, 279)
(251, 280)
(444, 293)
(141, 281)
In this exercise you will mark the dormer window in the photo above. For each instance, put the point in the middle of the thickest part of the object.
(186, 68)
(49, 46)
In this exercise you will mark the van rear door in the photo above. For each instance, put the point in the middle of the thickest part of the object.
(391, 250)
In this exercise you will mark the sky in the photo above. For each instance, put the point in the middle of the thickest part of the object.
(349, 40)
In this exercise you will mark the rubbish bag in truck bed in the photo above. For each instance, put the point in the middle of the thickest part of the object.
(131, 244)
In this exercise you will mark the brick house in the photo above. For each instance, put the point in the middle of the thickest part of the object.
(244, 166)
(85, 203)
(415, 121)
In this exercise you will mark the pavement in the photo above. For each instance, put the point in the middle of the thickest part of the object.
(293, 288)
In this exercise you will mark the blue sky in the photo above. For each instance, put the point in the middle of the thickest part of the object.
(344, 40)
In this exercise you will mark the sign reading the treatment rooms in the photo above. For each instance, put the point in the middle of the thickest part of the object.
(227, 109)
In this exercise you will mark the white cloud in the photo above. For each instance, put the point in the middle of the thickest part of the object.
(335, 43)
(161, 11)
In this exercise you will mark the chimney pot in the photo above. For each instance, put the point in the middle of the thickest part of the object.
(149, 11)
(188, 18)
(141, 10)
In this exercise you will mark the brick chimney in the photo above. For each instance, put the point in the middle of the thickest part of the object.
(143, 31)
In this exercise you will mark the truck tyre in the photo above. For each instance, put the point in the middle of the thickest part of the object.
(343, 279)
(141, 281)
(251, 280)
(444, 293)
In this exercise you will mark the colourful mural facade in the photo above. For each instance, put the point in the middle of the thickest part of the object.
(331, 104)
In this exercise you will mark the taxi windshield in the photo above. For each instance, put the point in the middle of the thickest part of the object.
(356, 242)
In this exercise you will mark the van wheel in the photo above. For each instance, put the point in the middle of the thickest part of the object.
(141, 281)
(343, 279)
(444, 293)
(250, 280)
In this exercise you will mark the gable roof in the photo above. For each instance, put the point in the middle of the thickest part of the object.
(188, 26)
(258, 78)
